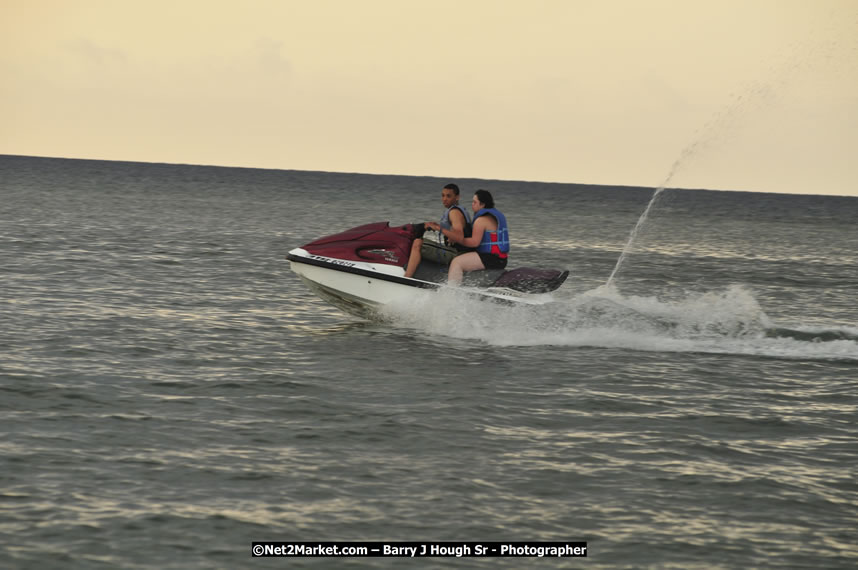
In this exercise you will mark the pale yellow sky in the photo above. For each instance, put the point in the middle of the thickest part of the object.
(747, 94)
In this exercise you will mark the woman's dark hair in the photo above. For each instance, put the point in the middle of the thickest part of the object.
(485, 197)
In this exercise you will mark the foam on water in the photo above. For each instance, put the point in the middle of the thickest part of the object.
(729, 321)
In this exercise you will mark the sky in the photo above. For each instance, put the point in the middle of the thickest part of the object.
(757, 95)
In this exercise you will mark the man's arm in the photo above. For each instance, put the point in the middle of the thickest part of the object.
(457, 222)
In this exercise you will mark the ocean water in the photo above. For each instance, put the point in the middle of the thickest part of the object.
(171, 392)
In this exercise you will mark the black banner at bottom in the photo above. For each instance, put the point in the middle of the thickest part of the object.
(422, 549)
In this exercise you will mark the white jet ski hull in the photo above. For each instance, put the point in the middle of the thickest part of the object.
(363, 289)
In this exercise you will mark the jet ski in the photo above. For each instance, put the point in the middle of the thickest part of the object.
(363, 269)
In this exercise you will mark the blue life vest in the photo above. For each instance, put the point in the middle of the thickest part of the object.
(496, 242)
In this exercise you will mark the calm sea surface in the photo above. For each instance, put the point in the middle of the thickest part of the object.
(171, 392)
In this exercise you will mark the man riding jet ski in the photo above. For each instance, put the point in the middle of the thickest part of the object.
(455, 220)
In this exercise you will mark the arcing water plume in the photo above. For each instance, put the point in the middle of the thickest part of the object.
(709, 133)
(686, 154)
(756, 97)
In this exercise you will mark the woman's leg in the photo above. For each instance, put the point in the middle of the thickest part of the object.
(466, 262)
(414, 258)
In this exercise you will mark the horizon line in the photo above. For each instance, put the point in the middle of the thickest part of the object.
(243, 167)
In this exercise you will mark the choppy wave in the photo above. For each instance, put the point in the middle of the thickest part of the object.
(729, 321)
